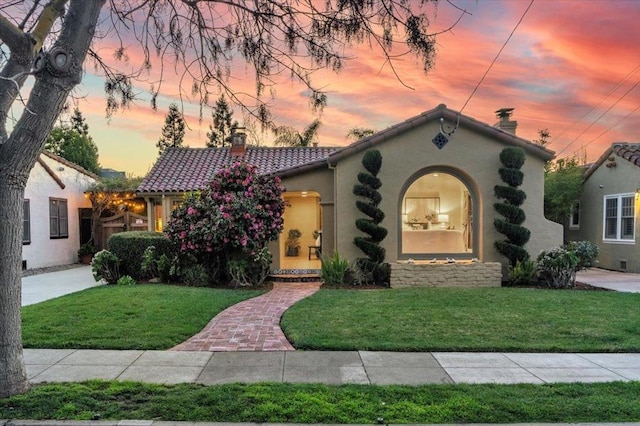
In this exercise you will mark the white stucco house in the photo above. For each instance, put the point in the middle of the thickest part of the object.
(57, 215)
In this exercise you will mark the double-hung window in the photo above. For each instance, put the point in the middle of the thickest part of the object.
(26, 223)
(574, 219)
(58, 218)
(619, 218)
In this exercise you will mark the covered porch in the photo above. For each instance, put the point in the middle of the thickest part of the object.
(300, 243)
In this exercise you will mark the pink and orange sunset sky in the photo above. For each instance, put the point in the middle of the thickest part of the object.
(572, 66)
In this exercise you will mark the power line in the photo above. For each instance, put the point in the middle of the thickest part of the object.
(497, 56)
(609, 129)
(598, 119)
(620, 83)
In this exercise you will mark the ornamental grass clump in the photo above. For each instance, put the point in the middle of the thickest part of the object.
(523, 273)
(334, 269)
(227, 224)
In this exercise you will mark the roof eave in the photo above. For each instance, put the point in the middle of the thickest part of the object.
(435, 114)
(606, 154)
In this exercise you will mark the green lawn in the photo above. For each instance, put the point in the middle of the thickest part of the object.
(303, 403)
(495, 319)
(125, 317)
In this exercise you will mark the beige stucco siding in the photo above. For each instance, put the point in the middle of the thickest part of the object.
(624, 178)
(468, 154)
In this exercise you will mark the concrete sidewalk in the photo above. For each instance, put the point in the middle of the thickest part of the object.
(349, 367)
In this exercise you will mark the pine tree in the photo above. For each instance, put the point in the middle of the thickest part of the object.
(78, 123)
(511, 227)
(223, 125)
(172, 131)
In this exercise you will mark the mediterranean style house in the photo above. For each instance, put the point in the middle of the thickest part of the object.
(609, 210)
(57, 215)
(438, 175)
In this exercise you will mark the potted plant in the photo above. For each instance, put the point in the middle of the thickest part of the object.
(86, 252)
(293, 242)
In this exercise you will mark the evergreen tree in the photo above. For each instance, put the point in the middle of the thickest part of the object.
(172, 131)
(511, 227)
(78, 123)
(223, 125)
(368, 186)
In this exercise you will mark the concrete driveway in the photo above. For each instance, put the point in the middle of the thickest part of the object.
(612, 280)
(41, 287)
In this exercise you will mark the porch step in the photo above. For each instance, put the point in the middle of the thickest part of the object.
(295, 275)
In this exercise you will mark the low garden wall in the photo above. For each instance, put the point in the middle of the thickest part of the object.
(442, 274)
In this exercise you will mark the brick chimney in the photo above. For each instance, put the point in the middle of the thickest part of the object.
(505, 124)
(238, 142)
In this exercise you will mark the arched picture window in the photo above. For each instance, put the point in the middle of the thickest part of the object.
(437, 217)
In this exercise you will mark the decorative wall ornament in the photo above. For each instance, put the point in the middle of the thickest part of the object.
(441, 139)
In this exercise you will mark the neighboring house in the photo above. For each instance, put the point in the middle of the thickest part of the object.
(112, 174)
(437, 188)
(609, 210)
(57, 215)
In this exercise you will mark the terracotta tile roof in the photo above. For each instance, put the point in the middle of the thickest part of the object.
(188, 169)
(185, 169)
(628, 151)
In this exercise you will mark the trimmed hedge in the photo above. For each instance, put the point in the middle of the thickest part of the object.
(512, 158)
(130, 247)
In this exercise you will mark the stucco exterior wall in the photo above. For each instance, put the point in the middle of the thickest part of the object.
(472, 157)
(42, 250)
(622, 179)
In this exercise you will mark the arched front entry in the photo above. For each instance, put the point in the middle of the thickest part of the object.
(437, 210)
(299, 241)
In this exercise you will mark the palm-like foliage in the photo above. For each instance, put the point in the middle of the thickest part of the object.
(288, 136)
(357, 133)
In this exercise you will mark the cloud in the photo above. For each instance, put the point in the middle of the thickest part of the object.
(564, 70)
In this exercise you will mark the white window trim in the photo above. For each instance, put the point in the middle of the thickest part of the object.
(576, 206)
(618, 240)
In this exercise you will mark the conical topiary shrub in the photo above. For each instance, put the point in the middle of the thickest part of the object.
(370, 245)
(511, 227)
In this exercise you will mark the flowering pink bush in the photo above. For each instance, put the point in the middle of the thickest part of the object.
(238, 212)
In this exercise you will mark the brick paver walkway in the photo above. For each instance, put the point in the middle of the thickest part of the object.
(252, 325)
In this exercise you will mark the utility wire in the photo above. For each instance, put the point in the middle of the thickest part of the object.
(608, 130)
(598, 119)
(497, 56)
(620, 83)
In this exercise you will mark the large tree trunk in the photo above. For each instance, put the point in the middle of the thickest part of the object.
(13, 377)
(17, 157)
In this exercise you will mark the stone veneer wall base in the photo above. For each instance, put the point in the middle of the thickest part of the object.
(467, 274)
